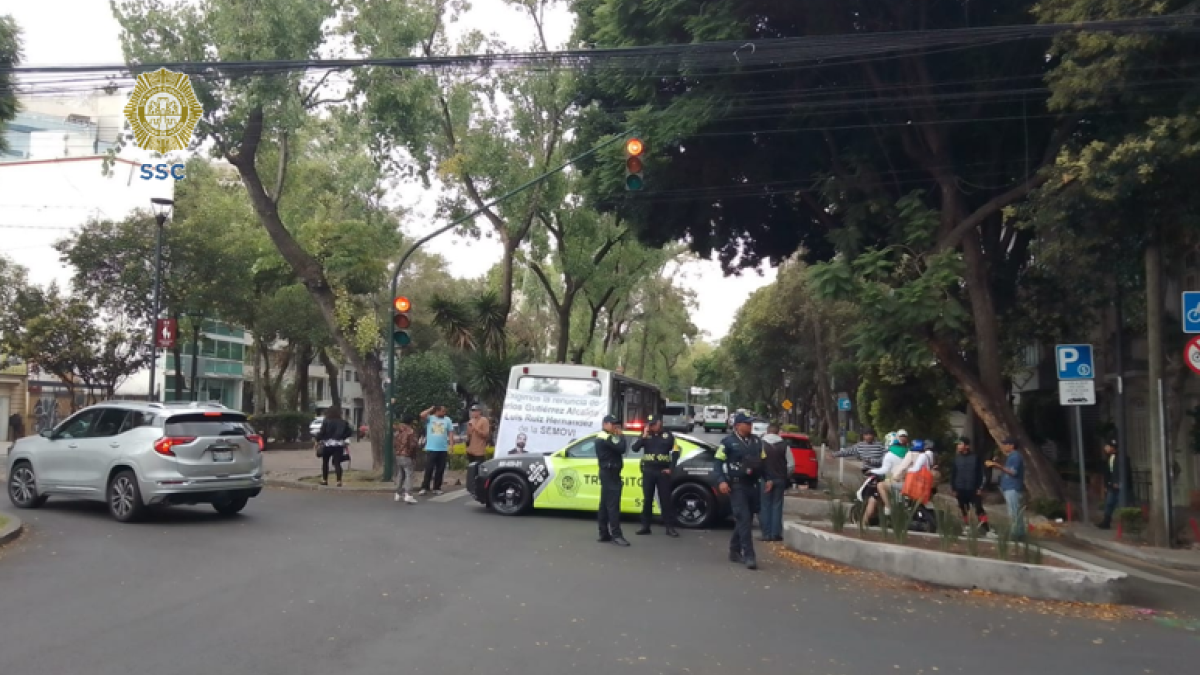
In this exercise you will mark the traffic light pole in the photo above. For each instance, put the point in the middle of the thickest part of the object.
(388, 448)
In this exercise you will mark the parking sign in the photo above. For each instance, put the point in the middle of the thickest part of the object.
(1191, 312)
(1074, 362)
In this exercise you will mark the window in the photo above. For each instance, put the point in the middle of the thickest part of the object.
(559, 385)
(319, 386)
(78, 426)
(347, 376)
(356, 376)
(137, 419)
(208, 347)
(236, 351)
(111, 421)
(585, 449)
(192, 424)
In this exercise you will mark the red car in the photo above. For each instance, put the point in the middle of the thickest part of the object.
(805, 457)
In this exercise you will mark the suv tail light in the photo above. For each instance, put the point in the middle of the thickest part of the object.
(255, 438)
(163, 445)
(634, 425)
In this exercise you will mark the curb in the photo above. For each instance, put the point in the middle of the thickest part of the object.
(1089, 583)
(1135, 553)
(13, 529)
(313, 487)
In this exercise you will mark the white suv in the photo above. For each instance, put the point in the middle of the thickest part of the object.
(133, 455)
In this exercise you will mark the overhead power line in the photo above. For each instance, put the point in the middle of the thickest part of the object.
(723, 55)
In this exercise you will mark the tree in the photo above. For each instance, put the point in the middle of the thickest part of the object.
(454, 122)
(428, 381)
(474, 327)
(67, 337)
(257, 124)
(10, 57)
(881, 159)
(1124, 175)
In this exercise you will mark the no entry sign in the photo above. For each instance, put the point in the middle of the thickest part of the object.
(1191, 354)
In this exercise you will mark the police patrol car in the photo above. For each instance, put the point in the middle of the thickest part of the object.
(569, 479)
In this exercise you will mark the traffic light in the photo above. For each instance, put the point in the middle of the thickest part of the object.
(633, 165)
(401, 321)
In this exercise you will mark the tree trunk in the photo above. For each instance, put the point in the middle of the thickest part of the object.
(997, 416)
(310, 273)
(1154, 336)
(195, 360)
(335, 377)
(260, 403)
(177, 352)
(825, 403)
(304, 357)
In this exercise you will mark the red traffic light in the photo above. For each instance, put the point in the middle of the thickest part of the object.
(401, 321)
(634, 164)
(402, 304)
(634, 147)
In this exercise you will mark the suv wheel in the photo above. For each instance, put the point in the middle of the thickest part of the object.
(124, 497)
(22, 487)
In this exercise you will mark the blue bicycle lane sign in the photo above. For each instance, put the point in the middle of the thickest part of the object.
(1191, 312)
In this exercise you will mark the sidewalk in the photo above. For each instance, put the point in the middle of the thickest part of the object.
(286, 467)
(1178, 559)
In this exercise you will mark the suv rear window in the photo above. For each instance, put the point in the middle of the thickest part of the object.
(674, 410)
(211, 424)
(800, 443)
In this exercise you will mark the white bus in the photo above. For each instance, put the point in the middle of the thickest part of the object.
(550, 404)
(716, 418)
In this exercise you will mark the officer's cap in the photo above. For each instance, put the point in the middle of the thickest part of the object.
(610, 419)
(742, 418)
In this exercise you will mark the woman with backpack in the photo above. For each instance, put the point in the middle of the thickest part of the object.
(334, 434)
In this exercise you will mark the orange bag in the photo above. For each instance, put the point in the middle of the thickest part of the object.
(918, 485)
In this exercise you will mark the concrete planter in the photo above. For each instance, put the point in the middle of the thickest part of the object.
(1089, 583)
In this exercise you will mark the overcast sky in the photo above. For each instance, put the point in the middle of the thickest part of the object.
(84, 31)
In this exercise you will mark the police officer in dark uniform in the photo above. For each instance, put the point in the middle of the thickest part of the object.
(739, 466)
(661, 455)
(610, 453)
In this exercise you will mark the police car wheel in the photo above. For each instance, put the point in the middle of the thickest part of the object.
(509, 494)
(694, 505)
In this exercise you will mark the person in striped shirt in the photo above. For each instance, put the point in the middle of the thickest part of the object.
(869, 451)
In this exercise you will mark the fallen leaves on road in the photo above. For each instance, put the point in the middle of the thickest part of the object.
(1079, 610)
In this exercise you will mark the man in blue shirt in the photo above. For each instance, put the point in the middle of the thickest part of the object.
(439, 438)
(1012, 484)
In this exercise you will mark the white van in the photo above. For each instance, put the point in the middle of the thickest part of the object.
(716, 418)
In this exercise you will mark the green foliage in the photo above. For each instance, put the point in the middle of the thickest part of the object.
(899, 520)
(837, 515)
(1048, 508)
(288, 426)
(10, 57)
(949, 527)
(1003, 540)
(973, 534)
(422, 381)
(1132, 519)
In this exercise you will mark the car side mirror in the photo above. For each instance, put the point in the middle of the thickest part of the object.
(46, 433)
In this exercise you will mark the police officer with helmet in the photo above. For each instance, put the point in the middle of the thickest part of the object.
(739, 466)
(660, 456)
(610, 453)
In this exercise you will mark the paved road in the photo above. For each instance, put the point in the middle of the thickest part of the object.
(321, 583)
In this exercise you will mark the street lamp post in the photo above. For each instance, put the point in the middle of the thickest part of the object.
(162, 210)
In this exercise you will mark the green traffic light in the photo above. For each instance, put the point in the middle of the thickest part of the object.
(402, 338)
(634, 182)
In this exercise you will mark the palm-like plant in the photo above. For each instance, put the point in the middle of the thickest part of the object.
(476, 328)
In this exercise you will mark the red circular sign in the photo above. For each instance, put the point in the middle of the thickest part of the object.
(1191, 354)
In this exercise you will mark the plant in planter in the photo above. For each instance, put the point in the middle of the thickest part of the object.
(1132, 520)
(948, 527)
(837, 515)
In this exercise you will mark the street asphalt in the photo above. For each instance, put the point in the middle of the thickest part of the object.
(319, 583)
(305, 582)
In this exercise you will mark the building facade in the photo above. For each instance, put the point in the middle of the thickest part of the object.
(221, 366)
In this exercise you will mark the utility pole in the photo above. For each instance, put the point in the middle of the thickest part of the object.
(1160, 478)
(1124, 481)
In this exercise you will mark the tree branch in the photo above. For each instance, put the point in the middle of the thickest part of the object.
(537, 271)
(954, 237)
